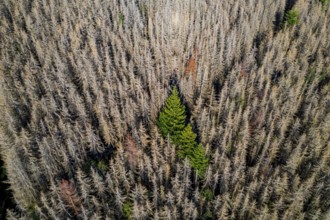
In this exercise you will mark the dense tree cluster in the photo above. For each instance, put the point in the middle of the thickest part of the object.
(172, 124)
(83, 84)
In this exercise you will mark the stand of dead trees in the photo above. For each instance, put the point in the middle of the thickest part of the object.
(82, 84)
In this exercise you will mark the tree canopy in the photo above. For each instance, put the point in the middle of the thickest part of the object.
(171, 123)
(172, 118)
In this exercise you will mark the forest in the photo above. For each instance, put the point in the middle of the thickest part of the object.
(167, 109)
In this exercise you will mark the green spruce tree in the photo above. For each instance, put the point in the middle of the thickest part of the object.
(171, 122)
(172, 118)
(188, 147)
(198, 160)
(187, 142)
(292, 17)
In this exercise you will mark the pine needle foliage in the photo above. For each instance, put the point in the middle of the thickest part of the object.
(172, 118)
(127, 209)
(188, 147)
(198, 160)
(292, 17)
(171, 123)
(325, 2)
(186, 142)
